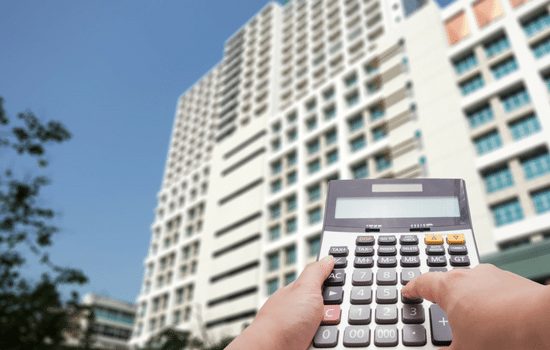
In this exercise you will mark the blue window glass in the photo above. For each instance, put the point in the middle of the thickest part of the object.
(276, 186)
(291, 203)
(536, 165)
(352, 99)
(496, 46)
(290, 255)
(524, 127)
(275, 144)
(275, 211)
(379, 133)
(292, 135)
(313, 166)
(355, 122)
(276, 127)
(488, 142)
(351, 80)
(465, 63)
(480, 116)
(314, 216)
(541, 48)
(376, 112)
(515, 100)
(371, 68)
(272, 286)
(313, 245)
(383, 161)
(276, 167)
(291, 178)
(504, 68)
(498, 179)
(547, 81)
(290, 277)
(360, 171)
(273, 261)
(357, 143)
(313, 146)
(536, 24)
(330, 112)
(472, 84)
(331, 137)
(507, 212)
(291, 159)
(332, 157)
(314, 193)
(541, 200)
(373, 86)
(328, 94)
(291, 225)
(274, 232)
(291, 118)
(311, 123)
(310, 105)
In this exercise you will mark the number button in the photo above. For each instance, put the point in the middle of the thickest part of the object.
(387, 261)
(364, 240)
(413, 314)
(387, 240)
(363, 261)
(355, 336)
(333, 295)
(410, 261)
(433, 238)
(359, 314)
(326, 337)
(408, 239)
(361, 277)
(408, 274)
(338, 251)
(364, 250)
(336, 278)
(438, 260)
(385, 336)
(386, 295)
(411, 301)
(386, 277)
(386, 314)
(361, 295)
(459, 260)
(331, 315)
(439, 325)
(414, 335)
(409, 250)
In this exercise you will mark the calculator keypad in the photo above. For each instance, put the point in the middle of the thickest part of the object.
(362, 295)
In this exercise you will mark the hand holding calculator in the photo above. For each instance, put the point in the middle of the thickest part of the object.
(382, 234)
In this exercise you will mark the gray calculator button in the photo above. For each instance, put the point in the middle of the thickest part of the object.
(387, 250)
(412, 313)
(386, 336)
(459, 260)
(387, 240)
(359, 314)
(435, 250)
(338, 251)
(340, 262)
(409, 250)
(361, 277)
(438, 261)
(364, 250)
(408, 239)
(386, 295)
(387, 261)
(411, 301)
(364, 240)
(356, 336)
(386, 314)
(408, 274)
(458, 250)
(326, 337)
(363, 261)
(438, 269)
(361, 295)
(414, 335)
(333, 295)
(336, 278)
(410, 261)
(386, 277)
(439, 325)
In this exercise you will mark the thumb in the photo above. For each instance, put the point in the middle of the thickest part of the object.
(428, 286)
(315, 274)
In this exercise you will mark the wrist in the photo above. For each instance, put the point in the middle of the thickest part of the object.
(536, 320)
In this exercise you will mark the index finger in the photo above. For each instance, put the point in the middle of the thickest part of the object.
(428, 286)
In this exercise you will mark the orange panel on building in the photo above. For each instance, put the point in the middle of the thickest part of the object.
(457, 28)
(516, 3)
(487, 11)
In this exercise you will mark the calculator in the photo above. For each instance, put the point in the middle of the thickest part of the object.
(383, 233)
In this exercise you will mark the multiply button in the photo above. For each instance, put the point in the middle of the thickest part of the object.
(336, 278)
(338, 251)
(331, 315)
(333, 295)
(456, 238)
(364, 240)
(433, 238)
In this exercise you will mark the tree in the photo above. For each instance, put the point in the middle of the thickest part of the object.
(33, 314)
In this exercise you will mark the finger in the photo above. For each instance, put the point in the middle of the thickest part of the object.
(316, 273)
(428, 286)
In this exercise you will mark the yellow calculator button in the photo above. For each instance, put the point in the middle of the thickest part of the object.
(433, 238)
(456, 238)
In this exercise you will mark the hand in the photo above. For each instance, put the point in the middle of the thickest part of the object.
(488, 308)
(289, 318)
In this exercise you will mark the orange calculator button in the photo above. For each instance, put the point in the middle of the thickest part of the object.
(456, 238)
(433, 238)
(331, 314)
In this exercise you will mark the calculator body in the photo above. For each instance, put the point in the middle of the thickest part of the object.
(382, 233)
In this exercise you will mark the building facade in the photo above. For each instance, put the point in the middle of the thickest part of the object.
(315, 90)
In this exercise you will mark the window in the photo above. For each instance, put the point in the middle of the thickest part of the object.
(275, 211)
(488, 142)
(373, 86)
(332, 157)
(357, 143)
(541, 48)
(536, 24)
(524, 127)
(292, 135)
(291, 203)
(313, 246)
(291, 118)
(291, 178)
(515, 100)
(355, 122)
(536, 165)
(314, 193)
(275, 144)
(330, 112)
(276, 186)
(274, 232)
(504, 68)
(311, 123)
(290, 255)
(276, 127)
(313, 166)
(507, 212)
(496, 46)
(350, 80)
(313, 146)
(480, 116)
(314, 216)
(276, 167)
(272, 286)
(472, 84)
(331, 137)
(290, 277)
(291, 159)
(376, 112)
(328, 94)
(310, 105)
(352, 99)
(291, 225)
(498, 179)
(547, 81)
(273, 261)
(465, 63)
(379, 133)
(383, 161)
(541, 200)
(360, 171)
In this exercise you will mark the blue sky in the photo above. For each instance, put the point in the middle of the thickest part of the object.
(111, 71)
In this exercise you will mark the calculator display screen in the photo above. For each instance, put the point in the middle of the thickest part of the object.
(396, 207)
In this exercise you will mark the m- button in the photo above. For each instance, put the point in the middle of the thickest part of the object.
(331, 315)
(433, 238)
(456, 238)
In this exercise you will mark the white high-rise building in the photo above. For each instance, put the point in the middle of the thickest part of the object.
(316, 90)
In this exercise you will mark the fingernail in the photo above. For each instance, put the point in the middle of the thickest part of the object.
(328, 258)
